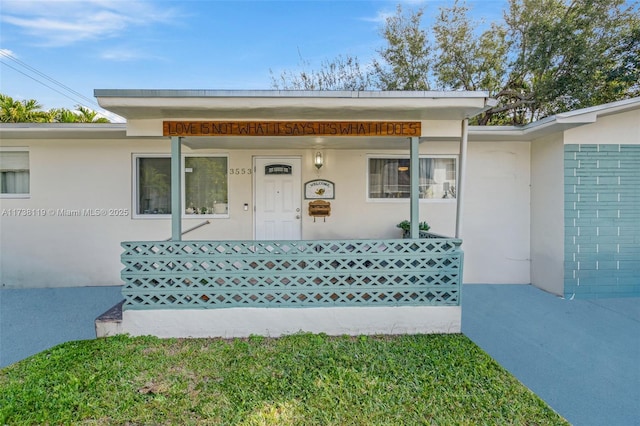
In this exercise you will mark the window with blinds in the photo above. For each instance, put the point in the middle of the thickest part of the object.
(14, 172)
(389, 178)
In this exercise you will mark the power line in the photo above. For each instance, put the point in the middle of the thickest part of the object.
(52, 80)
(34, 79)
(85, 100)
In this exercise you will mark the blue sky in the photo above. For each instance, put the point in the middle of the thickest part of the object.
(190, 44)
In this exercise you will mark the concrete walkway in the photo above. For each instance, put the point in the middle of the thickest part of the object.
(582, 357)
(35, 319)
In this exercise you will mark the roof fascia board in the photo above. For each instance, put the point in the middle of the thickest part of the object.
(591, 114)
(293, 105)
(555, 123)
(48, 127)
(367, 94)
(528, 132)
(61, 130)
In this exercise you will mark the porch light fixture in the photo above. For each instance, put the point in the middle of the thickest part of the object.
(318, 161)
(403, 168)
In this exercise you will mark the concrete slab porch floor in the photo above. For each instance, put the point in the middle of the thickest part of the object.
(582, 356)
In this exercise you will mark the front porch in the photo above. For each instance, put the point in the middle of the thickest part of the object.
(177, 288)
(283, 282)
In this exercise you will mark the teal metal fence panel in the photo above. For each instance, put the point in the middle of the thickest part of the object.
(221, 274)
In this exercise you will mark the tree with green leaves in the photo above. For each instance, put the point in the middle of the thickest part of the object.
(467, 61)
(30, 111)
(546, 57)
(86, 115)
(406, 58)
(61, 115)
(566, 54)
(559, 56)
(342, 73)
(464, 61)
(16, 111)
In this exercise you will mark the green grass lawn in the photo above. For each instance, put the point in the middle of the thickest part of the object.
(303, 379)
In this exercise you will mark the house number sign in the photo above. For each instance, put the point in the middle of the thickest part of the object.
(319, 189)
(240, 171)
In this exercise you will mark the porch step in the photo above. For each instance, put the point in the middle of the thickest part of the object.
(110, 322)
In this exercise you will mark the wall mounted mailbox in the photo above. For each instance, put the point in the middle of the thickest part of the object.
(319, 208)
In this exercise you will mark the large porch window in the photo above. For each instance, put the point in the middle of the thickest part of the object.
(389, 178)
(205, 185)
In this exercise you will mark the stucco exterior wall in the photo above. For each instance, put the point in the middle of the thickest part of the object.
(496, 213)
(275, 322)
(547, 214)
(352, 216)
(44, 247)
(622, 128)
(57, 248)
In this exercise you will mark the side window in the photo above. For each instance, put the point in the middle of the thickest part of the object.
(390, 178)
(14, 173)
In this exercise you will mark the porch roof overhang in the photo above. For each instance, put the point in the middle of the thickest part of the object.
(291, 105)
(527, 133)
(145, 110)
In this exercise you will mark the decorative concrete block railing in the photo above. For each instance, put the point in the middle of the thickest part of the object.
(423, 234)
(225, 274)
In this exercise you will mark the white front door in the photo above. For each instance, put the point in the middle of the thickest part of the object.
(277, 198)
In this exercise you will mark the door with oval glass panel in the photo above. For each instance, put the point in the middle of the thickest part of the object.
(277, 198)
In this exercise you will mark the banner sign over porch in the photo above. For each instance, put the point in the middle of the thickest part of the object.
(292, 128)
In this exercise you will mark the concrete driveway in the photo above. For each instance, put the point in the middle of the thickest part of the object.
(582, 356)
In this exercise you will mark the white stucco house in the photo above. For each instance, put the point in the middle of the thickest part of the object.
(291, 199)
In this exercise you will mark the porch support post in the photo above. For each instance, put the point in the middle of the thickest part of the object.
(414, 170)
(462, 172)
(176, 188)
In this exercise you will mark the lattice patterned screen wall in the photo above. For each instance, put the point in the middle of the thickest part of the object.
(219, 274)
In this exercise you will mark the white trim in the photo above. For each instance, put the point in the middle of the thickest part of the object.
(14, 148)
(461, 177)
(350, 94)
(16, 196)
(134, 187)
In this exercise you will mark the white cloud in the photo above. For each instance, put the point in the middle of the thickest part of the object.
(65, 22)
(7, 53)
(382, 15)
(380, 18)
(124, 54)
